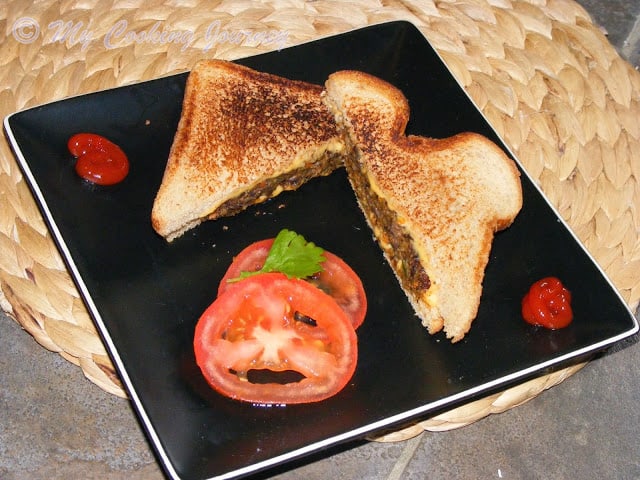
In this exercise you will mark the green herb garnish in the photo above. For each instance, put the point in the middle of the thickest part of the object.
(292, 255)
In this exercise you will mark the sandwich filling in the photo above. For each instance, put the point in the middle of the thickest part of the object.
(271, 187)
(394, 240)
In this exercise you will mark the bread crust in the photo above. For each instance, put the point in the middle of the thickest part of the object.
(434, 205)
(238, 128)
(448, 195)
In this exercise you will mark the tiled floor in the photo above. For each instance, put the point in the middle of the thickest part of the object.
(586, 429)
(621, 20)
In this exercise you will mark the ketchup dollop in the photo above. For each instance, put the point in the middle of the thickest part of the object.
(99, 161)
(547, 304)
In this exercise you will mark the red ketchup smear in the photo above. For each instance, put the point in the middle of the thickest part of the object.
(99, 160)
(547, 304)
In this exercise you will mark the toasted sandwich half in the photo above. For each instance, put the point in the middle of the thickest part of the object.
(433, 205)
(243, 137)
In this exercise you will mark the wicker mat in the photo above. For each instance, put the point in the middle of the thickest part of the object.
(542, 73)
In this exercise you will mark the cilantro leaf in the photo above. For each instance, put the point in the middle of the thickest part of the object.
(292, 255)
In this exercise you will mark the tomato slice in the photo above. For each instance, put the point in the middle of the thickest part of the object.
(336, 279)
(264, 330)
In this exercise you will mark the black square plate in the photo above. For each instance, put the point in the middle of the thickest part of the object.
(146, 294)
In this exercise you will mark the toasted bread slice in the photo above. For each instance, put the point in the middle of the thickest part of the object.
(433, 205)
(243, 137)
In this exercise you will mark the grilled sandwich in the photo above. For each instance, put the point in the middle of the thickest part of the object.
(243, 137)
(433, 204)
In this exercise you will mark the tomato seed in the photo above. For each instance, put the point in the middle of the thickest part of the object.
(301, 317)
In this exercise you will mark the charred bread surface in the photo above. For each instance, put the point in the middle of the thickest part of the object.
(433, 204)
(243, 137)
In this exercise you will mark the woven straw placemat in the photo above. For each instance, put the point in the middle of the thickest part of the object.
(543, 74)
